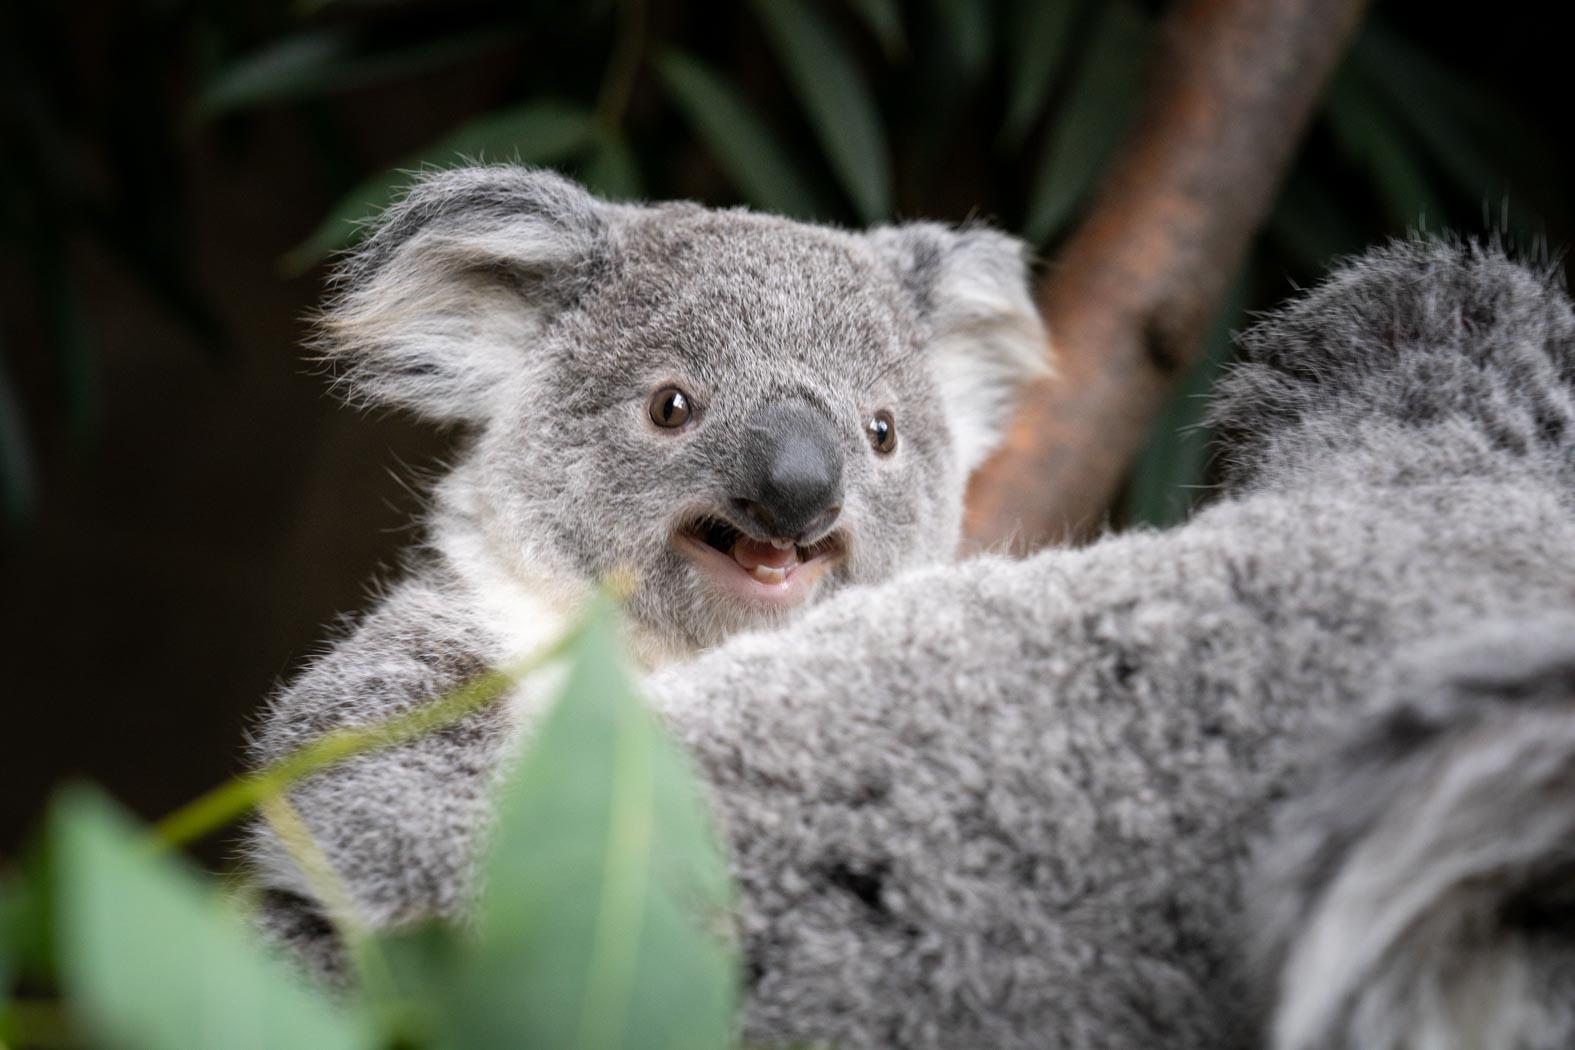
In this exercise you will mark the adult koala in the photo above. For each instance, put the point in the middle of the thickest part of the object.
(735, 413)
(1014, 803)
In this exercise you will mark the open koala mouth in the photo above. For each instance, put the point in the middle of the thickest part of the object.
(775, 570)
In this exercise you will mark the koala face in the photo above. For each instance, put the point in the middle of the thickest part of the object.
(735, 411)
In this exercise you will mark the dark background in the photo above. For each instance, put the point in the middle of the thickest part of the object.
(184, 506)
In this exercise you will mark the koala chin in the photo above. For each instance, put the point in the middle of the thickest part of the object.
(735, 414)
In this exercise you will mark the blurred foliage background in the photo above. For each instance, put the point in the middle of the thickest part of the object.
(183, 507)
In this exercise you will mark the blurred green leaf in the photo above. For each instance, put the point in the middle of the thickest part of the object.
(968, 27)
(1102, 102)
(610, 169)
(18, 482)
(837, 99)
(885, 21)
(1370, 138)
(604, 891)
(1038, 39)
(541, 132)
(71, 345)
(152, 959)
(765, 173)
(1453, 118)
(326, 61)
(11, 918)
(1170, 472)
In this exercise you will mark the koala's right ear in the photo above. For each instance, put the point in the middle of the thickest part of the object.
(439, 306)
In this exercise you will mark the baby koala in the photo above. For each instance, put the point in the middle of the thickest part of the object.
(734, 413)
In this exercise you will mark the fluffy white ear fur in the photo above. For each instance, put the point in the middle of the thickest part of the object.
(987, 339)
(438, 308)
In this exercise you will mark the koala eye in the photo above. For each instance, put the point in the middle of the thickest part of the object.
(670, 408)
(882, 431)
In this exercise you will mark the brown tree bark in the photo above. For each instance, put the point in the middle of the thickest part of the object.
(1130, 299)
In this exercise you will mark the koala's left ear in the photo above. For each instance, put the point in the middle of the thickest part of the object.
(441, 305)
(970, 287)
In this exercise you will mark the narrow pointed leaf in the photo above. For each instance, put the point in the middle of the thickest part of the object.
(1037, 44)
(1099, 108)
(1371, 139)
(542, 132)
(885, 21)
(837, 99)
(153, 959)
(604, 890)
(764, 172)
(326, 61)
(1453, 119)
(968, 27)
(611, 170)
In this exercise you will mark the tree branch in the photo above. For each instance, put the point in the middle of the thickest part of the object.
(1130, 299)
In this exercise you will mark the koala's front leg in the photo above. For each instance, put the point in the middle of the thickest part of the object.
(399, 828)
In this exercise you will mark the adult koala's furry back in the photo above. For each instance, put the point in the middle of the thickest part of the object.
(1016, 803)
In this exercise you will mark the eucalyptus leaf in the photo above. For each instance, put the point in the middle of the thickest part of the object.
(1371, 139)
(18, 474)
(764, 172)
(837, 99)
(1040, 33)
(153, 959)
(325, 61)
(969, 30)
(541, 132)
(1101, 104)
(885, 21)
(611, 170)
(11, 919)
(604, 890)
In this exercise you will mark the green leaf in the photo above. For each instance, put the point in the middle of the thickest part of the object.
(326, 61)
(885, 21)
(1102, 102)
(604, 891)
(18, 477)
(11, 920)
(542, 132)
(153, 959)
(1038, 40)
(837, 99)
(765, 173)
(611, 170)
(967, 28)
(1371, 139)
(1170, 472)
(1453, 119)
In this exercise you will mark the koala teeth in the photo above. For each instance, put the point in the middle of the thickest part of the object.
(766, 574)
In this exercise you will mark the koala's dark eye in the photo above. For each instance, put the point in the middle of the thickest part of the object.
(670, 408)
(882, 431)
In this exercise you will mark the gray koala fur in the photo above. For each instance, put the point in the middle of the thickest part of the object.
(1015, 803)
(512, 302)
(1027, 803)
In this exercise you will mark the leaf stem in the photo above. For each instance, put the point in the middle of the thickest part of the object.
(227, 802)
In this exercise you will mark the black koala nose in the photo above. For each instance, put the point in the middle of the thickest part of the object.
(792, 478)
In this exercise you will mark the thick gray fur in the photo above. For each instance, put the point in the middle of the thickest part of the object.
(1013, 804)
(1021, 803)
(513, 303)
